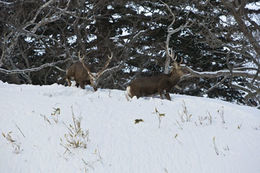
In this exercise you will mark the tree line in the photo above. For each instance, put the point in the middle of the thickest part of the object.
(217, 39)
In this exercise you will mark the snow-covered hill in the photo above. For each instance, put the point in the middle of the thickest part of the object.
(54, 129)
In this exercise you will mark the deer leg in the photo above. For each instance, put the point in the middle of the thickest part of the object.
(68, 80)
(82, 85)
(161, 93)
(77, 84)
(167, 95)
(87, 82)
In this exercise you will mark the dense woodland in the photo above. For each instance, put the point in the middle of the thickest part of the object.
(219, 41)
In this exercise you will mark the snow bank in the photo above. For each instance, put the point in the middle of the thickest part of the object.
(187, 134)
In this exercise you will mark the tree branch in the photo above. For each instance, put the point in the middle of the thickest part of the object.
(18, 71)
(220, 73)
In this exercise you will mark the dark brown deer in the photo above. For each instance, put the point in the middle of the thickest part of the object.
(78, 73)
(163, 83)
(160, 84)
(81, 73)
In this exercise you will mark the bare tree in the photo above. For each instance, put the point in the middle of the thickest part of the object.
(244, 64)
(23, 37)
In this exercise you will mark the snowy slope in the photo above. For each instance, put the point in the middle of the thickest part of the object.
(187, 134)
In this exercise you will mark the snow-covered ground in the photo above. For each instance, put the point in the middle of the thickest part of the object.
(114, 135)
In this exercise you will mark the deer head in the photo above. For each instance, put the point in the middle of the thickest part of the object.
(94, 77)
(176, 68)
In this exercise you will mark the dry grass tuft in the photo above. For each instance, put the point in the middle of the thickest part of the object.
(15, 144)
(76, 136)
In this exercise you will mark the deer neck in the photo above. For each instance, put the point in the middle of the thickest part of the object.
(176, 75)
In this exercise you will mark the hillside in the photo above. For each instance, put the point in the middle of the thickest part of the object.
(58, 129)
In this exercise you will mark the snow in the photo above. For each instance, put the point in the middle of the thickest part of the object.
(187, 134)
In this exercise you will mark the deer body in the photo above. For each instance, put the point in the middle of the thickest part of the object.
(81, 73)
(160, 84)
(78, 73)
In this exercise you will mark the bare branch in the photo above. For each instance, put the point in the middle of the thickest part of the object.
(173, 15)
(169, 52)
(40, 9)
(18, 71)
(220, 73)
(216, 85)
(242, 26)
(140, 32)
(60, 69)
(6, 3)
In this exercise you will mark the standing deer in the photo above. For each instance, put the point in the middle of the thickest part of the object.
(77, 72)
(163, 83)
(81, 73)
(160, 84)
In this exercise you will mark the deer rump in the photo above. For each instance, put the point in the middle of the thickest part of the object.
(148, 86)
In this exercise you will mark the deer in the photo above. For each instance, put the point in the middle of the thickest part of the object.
(159, 84)
(162, 83)
(81, 73)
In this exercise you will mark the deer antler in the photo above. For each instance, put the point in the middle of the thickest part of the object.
(94, 77)
(181, 60)
(105, 66)
(81, 59)
(171, 53)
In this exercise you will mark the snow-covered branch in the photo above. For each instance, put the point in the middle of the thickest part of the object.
(220, 73)
(251, 90)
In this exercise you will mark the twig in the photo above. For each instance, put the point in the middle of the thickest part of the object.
(216, 85)
(20, 130)
(215, 146)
